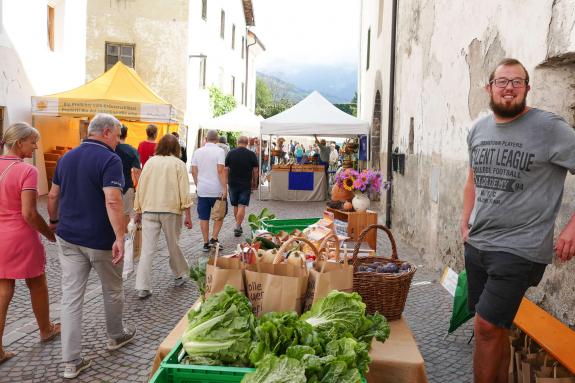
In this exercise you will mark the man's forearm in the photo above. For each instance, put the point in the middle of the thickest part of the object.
(468, 203)
(53, 207)
(115, 209)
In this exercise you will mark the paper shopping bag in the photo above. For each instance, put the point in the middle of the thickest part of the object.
(219, 209)
(222, 271)
(327, 275)
(516, 338)
(128, 267)
(528, 347)
(557, 374)
(530, 364)
(275, 287)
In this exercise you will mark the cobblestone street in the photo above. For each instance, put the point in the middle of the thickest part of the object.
(428, 311)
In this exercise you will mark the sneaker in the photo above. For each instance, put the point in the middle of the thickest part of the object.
(129, 333)
(213, 242)
(72, 370)
(179, 281)
(143, 294)
(206, 247)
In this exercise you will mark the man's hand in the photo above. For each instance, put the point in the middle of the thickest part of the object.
(188, 222)
(138, 218)
(118, 250)
(464, 230)
(565, 246)
(53, 227)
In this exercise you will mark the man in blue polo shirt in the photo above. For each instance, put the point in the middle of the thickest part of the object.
(85, 208)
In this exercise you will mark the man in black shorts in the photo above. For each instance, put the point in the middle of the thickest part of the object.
(518, 158)
(242, 165)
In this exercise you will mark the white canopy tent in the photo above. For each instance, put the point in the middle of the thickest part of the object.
(241, 119)
(314, 115)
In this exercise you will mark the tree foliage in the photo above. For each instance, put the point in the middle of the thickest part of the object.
(221, 103)
(266, 106)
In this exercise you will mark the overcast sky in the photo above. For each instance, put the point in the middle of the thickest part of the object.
(304, 32)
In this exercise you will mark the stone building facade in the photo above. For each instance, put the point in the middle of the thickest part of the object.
(443, 55)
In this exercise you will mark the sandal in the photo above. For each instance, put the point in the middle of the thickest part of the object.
(54, 332)
(6, 355)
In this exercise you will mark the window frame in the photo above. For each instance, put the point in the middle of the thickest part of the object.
(233, 36)
(368, 48)
(203, 69)
(205, 10)
(119, 56)
(223, 24)
(50, 24)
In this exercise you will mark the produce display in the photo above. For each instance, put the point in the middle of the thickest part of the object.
(329, 343)
(384, 268)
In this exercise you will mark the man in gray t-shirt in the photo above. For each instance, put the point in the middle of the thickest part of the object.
(518, 158)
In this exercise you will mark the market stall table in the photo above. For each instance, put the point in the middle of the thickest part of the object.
(298, 183)
(398, 360)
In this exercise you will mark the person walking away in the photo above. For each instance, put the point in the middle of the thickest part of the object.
(22, 255)
(85, 207)
(243, 168)
(518, 160)
(223, 143)
(148, 148)
(209, 177)
(131, 168)
(183, 151)
(163, 194)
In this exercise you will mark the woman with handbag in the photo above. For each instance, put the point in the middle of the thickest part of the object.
(22, 254)
(161, 197)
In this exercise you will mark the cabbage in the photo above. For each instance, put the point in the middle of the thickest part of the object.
(220, 331)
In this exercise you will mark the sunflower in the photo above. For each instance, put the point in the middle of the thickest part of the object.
(348, 183)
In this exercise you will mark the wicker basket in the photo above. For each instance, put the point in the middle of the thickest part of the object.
(383, 293)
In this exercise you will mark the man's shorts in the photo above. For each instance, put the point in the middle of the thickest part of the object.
(128, 199)
(205, 205)
(239, 196)
(497, 282)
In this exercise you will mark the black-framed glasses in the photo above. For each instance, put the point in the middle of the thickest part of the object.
(502, 82)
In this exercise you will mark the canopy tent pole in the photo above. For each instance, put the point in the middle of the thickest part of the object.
(260, 171)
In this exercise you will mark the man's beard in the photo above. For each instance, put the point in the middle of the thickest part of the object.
(510, 111)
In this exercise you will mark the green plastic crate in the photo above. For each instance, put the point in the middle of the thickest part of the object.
(277, 225)
(171, 371)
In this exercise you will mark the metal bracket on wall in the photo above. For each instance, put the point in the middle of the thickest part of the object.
(398, 161)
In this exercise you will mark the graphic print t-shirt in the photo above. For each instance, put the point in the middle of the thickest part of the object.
(519, 171)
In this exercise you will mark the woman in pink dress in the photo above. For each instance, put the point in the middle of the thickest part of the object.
(22, 255)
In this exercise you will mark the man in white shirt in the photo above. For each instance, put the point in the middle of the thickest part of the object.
(208, 172)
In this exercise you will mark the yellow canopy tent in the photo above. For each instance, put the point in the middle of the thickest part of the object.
(61, 117)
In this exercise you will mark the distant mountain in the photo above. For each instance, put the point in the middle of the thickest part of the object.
(337, 84)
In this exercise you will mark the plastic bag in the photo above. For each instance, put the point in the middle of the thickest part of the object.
(129, 250)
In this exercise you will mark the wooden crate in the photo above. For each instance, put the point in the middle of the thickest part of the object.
(356, 222)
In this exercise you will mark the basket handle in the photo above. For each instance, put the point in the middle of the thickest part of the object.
(364, 234)
(323, 248)
(285, 245)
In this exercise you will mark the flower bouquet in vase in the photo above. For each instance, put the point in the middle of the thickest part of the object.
(362, 184)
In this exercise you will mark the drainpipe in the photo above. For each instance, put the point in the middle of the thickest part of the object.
(247, 65)
(391, 113)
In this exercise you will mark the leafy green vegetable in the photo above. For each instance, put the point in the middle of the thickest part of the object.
(277, 370)
(256, 221)
(355, 354)
(276, 332)
(373, 326)
(198, 275)
(298, 351)
(220, 330)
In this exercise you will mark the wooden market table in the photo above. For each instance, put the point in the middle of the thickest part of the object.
(288, 183)
(398, 360)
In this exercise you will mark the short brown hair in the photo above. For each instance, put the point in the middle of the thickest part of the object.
(509, 62)
(168, 146)
(152, 131)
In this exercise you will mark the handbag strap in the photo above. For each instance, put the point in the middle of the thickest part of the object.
(7, 169)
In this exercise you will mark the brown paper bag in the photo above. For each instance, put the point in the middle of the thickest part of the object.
(528, 348)
(219, 209)
(531, 363)
(327, 275)
(516, 338)
(556, 374)
(278, 286)
(137, 246)
(222, 271)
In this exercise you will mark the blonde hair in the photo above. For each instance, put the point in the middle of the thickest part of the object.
(16, 132)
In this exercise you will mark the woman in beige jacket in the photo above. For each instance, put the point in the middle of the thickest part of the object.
(162, 195)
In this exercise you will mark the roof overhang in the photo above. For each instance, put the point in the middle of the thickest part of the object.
(249, 12)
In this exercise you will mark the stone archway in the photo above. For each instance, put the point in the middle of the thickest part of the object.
(375, 139)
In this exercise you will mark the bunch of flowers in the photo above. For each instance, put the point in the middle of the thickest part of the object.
(366, 181)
